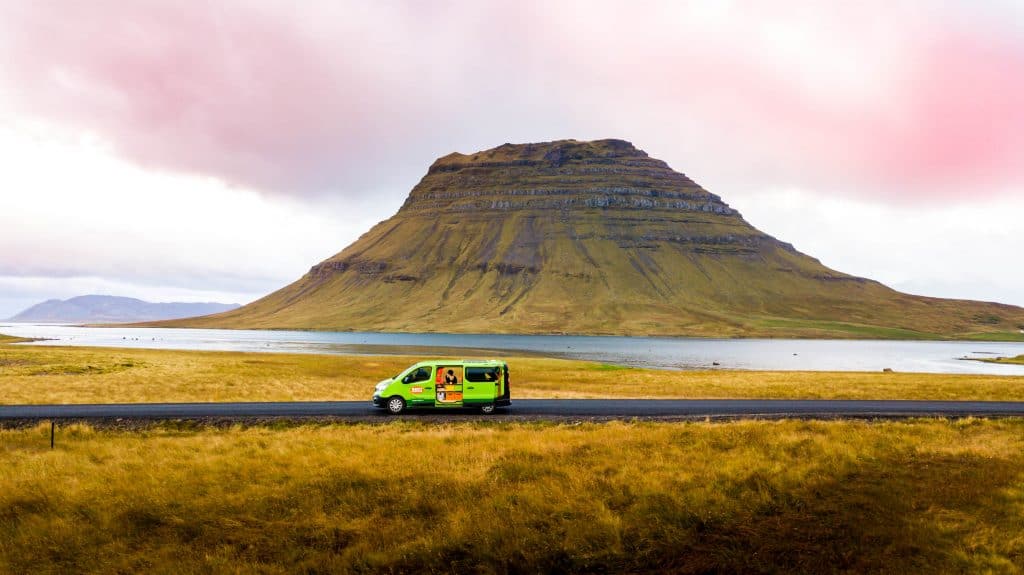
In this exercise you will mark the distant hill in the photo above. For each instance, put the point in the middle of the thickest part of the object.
(113, 309)
(592, 238)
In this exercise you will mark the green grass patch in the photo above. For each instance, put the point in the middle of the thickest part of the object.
(818, 328)
(1019, 360)
(996, 336)
(609, 367)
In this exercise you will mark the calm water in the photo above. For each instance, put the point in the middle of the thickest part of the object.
(658, 352)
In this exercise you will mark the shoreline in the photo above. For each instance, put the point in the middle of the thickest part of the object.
(1018, 360)
(51, 374)
(667, 354)
(810, 334)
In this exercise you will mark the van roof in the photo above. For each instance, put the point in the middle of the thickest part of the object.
(461, 361)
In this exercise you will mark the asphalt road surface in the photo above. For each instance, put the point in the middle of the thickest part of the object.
(554, 409)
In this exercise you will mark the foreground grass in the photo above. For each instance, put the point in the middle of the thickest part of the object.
(924, 496)
(35, 374)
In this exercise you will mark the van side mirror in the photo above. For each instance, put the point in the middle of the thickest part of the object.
(406, 378)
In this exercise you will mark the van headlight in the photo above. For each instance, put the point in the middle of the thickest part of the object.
(381, 386)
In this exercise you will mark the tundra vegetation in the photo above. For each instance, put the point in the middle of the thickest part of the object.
(925, 496)
(43, 374)
(485, 495)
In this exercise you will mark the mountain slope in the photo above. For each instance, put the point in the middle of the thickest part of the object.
(590, 237)
(112, 309)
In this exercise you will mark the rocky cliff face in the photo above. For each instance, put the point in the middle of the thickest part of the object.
(588, 237)
(607, 191)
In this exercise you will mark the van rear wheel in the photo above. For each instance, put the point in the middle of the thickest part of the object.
(396, 405)
(487, 408)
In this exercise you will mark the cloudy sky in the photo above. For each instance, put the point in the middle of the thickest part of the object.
(197, 151)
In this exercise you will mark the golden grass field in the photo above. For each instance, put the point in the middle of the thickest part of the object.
(922, 496)
(926, 496)
(36, 374)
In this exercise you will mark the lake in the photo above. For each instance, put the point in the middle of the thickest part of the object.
(656, 352)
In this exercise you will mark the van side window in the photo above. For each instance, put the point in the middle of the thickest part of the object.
(421, 374)
(482, 374)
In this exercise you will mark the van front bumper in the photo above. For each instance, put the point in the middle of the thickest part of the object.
(378, 401)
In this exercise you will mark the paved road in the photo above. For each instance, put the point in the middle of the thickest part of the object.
(532, 408)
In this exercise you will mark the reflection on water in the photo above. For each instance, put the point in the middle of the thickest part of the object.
(658, 352)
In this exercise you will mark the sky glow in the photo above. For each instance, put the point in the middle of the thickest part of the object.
(197, 152)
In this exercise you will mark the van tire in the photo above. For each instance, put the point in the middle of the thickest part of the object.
(487, 408)
(396, 405)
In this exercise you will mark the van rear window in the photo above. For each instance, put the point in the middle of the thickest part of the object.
(482, 374)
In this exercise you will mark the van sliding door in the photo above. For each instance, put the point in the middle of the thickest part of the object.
(481, 383)
(449, 386)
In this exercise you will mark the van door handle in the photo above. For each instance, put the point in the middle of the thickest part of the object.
(470, 387)
(427, 387)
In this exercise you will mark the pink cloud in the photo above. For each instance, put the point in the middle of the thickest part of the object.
(923, 103)
(922, 106)
(233, 91)
(962, 127)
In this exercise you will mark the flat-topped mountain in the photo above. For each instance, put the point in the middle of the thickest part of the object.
(113, 309)
(591, 238)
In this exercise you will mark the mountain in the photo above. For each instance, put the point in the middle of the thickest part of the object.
(591, 238)
(113, 309)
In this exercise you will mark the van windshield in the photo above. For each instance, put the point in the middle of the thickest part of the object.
(420, 374)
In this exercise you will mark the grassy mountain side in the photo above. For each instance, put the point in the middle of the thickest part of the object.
(596, 238)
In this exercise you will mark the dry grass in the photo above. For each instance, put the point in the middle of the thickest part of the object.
(922, 497)
(99, 375)
(565, 379)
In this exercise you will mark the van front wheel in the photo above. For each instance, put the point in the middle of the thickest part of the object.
(487, 408)
(396, 405)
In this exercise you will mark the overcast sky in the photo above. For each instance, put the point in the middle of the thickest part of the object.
(198, 151)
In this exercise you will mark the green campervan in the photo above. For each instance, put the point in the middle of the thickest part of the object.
(446, 384)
